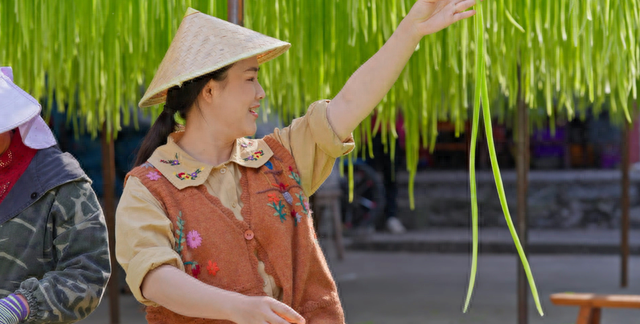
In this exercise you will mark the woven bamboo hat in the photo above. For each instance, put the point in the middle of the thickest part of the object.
(204, 44)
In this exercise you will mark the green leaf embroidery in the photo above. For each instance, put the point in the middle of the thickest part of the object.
(180, 237)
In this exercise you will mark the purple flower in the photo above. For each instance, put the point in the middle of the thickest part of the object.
(153, 176)
(193, 239)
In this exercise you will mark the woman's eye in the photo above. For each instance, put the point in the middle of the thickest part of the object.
(252, 79)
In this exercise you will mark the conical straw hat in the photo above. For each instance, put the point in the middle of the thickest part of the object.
(204, 44)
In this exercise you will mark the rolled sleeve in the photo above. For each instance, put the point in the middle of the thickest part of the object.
(314, 145)
(144, 239)
(323, 134)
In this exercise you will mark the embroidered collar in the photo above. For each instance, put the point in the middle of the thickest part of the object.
(183, 171)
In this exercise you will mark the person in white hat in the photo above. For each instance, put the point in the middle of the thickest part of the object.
(213, 227)
(54, 256)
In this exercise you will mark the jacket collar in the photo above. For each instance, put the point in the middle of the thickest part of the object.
(183, 171)
(48, 169)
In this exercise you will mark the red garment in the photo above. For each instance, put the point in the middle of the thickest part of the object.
(13, 162)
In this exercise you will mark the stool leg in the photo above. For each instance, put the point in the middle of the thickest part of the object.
(585, 315)
(337, 228)
(595, 316)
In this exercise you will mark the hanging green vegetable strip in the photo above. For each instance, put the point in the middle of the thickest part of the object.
(479, 62)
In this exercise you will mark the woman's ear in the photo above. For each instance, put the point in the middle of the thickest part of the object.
(209, 91)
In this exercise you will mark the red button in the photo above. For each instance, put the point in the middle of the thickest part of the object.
(248, 235)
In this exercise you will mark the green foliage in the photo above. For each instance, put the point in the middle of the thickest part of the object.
(96, 55)
(572, 53)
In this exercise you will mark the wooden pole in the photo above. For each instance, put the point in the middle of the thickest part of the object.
(522, 169)
(624, 223)
(235, 11)
(109, 179)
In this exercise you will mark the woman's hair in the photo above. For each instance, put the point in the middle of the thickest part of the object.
(180, 99)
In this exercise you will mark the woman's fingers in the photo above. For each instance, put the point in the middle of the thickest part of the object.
(274, 319)
(463, 15)
(287, 313)
(464, 5)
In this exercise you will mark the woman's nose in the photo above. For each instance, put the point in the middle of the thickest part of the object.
(260, 94)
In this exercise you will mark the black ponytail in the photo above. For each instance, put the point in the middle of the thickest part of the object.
(179, 100)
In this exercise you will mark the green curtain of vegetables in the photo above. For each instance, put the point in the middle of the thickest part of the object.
(96, 56)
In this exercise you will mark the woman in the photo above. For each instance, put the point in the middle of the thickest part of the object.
(213, 227)
(54, 256)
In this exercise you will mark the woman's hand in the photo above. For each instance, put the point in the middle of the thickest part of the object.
(430, 16)
(254, 310)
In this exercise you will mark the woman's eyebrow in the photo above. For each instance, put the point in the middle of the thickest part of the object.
(252, 69)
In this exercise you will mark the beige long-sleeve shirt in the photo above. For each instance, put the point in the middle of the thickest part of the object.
(144, 239)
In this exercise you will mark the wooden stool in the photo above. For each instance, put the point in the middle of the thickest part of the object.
(591, 304)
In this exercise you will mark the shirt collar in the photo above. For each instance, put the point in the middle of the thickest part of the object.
(183, 171)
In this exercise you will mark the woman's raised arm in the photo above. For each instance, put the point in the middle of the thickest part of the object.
(371, 82)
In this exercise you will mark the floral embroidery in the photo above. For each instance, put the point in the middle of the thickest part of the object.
(294, 176)
(287, 197)
(195, 271)
(189, 176)
(212, 268)
(269, 165)
(309, 211)
(303, 203)
(180, 237)
(281, 186)
(247, 144)
(147, 165)
(193, 239)
(172, 162)
(195, 268)
(153, 176)
(297, 217)
(277, 204)
(255, 156)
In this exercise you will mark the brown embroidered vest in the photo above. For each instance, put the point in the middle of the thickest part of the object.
(220, 250)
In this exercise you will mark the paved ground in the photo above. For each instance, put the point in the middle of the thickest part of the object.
(498, 240)
(408, 288)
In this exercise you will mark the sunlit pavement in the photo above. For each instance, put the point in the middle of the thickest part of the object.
(408, 288)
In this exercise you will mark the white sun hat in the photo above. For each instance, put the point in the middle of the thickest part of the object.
(202, 45)
(20, 110)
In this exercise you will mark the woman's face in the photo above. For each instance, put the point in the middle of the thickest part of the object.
(231, 105)
(5, 140)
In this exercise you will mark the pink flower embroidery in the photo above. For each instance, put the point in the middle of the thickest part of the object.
(153, 176)
(193, 239)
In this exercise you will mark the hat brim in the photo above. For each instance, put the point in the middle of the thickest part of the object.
(16, 106)
(159, 97)
(203, 44)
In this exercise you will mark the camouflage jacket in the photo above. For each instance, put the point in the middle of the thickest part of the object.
(53, 240)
